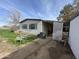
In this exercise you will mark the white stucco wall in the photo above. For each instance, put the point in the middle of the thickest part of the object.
(74, 36)
(57, 30)
(36, 31)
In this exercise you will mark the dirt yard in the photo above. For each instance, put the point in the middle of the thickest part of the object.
(43, 49)
(5, 48)
(53, 50)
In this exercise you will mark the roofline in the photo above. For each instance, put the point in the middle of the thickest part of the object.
(37, 20)
(30, 19)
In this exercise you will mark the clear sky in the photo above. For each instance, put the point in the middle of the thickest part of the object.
(43, 9)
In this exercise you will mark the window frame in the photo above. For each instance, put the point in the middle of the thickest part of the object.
(35, 26)
(26, 26)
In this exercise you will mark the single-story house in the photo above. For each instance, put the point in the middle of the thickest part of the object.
(35, 26)
(49, 27)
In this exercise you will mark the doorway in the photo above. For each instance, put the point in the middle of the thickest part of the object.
(48, 28)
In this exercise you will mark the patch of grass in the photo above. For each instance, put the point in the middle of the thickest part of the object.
(11, 37)
(6, 33)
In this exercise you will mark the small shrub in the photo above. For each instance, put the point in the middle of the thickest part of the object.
(28, 38)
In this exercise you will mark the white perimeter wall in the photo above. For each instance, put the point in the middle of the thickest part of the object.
(57, 30)
(36, 31)
(74, 36)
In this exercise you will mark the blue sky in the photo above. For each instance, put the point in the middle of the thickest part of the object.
(43, 9)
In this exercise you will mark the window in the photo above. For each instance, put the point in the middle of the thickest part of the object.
(33, 26)
(24, 26)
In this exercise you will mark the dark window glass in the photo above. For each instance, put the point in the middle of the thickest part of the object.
(33, 26)
(24, 26)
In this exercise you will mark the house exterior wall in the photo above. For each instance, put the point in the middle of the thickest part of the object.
(35, 31)
(74, 36)
(57, 30)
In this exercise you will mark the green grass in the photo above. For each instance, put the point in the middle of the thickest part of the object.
(8, 34)
(11, 37)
